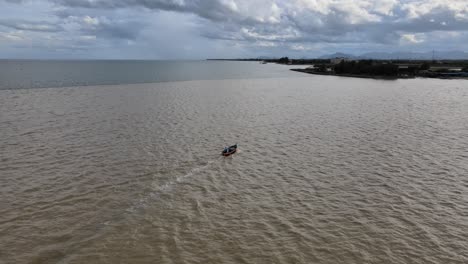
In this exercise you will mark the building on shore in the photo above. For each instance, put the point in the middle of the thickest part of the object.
(338, 60)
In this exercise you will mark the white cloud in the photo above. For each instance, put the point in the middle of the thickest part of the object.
(302, 47)
(385, 7)
(265, 44)
(88, 37)
(12, 36)
(275, 25)
(356, 12)
(318, 6)
(416, 9)
(412, 38)
(91, 20)
(231, 4)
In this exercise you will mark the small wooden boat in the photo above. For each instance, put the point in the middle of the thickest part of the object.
(229, 150)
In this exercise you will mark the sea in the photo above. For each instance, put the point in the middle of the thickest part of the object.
(119, 162)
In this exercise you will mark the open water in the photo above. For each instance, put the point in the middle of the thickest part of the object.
(329, 169)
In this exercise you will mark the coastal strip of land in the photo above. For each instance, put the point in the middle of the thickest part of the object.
(351, 75)
(376, 69)
(389, 70)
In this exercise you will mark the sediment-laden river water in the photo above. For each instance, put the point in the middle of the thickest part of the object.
(329, 170)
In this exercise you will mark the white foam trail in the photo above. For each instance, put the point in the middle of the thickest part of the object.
(194, 171)
(158, 189)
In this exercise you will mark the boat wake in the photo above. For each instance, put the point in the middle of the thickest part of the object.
(181, 178)
(158, 189)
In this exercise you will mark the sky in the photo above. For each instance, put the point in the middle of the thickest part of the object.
(200, 29)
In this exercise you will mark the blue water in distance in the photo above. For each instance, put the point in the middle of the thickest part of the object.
(24, 74)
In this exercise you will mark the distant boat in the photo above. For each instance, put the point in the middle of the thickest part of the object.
(229, 150)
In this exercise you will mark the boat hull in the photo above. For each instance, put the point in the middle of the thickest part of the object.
(231, 150)
(229, 153)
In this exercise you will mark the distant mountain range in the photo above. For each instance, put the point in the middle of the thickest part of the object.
(438, 55)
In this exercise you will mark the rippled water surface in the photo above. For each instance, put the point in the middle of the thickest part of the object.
(330, 170)
(24, 74)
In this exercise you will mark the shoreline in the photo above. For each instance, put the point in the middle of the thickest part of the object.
(379, 77)
(364, 76)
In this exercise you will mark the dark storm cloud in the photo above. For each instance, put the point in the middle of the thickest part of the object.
(310, 19)
(128, 30)
(329, 21)
(294, 25)
(210, 9)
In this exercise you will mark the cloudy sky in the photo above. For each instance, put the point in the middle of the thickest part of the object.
(198, 29)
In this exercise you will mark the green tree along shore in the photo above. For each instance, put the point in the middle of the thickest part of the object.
(367, 67)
